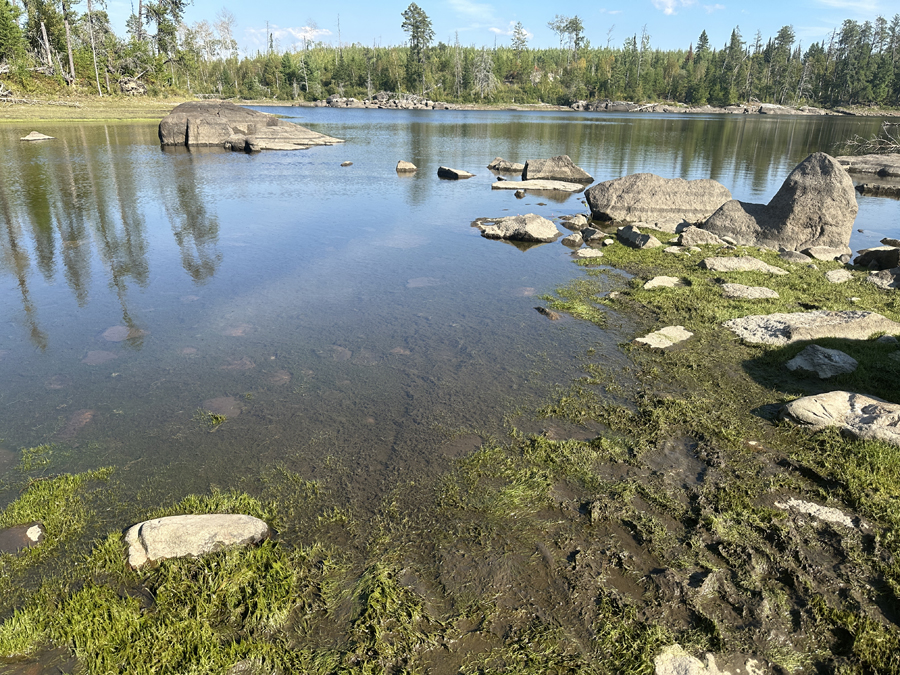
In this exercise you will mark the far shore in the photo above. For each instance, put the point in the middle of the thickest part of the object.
(118, 108)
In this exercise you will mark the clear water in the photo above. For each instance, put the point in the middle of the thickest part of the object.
(351, 318)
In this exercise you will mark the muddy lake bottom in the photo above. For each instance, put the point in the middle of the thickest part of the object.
(461, 484)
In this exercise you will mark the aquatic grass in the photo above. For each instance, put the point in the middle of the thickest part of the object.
(35, 458)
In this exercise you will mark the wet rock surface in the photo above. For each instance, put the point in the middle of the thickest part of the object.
(14, 539)
(663, 203)
(191, 535)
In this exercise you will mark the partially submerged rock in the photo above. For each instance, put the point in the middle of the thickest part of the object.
(14, 539)
(664, 337)
(878, 189)
(816, 206)
(823, 362)
(858, 416)
(879, 258)
(553, 185)
(504, 166)
(575, 240)
(739, 291)
(887, 165)
(191, 535)
(784, 328)
(406, 167)
(556, 168)
(36, 136)
(453, 174)
(225, 125)
(528, 227)
(633, 237)
(663, 203)
(588, 253)
(740, 264)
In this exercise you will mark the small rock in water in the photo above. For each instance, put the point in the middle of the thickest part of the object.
(59, 382)
(36, 136)
(401, 351)
(520, 194)
(76, 422)
(188, 351)
(14, 539)
(99, 357)
(406, 167)
(190, 298)
(243, 363)
(525, 291)
(588, 253)
(549, 313)
(224, 405)
(341, 353)
(237, 331)
(453, 174)
(346, 163)
(279, 377)
(122, 333)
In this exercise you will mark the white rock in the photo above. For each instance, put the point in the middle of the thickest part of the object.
(859, 416)
(36, 136)
(838, 276)
(557, 185)
(823, 362)
(588, 253)
(674, 660)
(663, 282)
(826, 513)
(748, 292)
(403, 167)
(191, 535)
(665, 337)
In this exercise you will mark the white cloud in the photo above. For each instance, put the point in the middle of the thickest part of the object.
(609, 11)
(866, 6)
(713, 8)
(511, 29)
(258, 35)
(473, 10)
(668, 7)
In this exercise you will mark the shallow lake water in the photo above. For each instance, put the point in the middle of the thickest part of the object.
(349, 322)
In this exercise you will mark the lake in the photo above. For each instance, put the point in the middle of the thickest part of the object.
(349, 322)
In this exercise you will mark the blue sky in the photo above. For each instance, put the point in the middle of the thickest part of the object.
(672, 24)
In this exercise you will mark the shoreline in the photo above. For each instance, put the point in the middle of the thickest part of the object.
(90, 109)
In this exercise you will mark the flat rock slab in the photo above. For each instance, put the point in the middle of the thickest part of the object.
(664, 203)
(881, 165)
(858, 416)
(453, 174)
(588, 253)
(557, 185)
(782, 329)
(823, 362)
(223, 124)
(740, 264)
(664, 337)
(839, 276)
(739, 291)
(529, 227)
(878, 190)
(14, 539)
(36, 136)
(191, 535)
(663, 282)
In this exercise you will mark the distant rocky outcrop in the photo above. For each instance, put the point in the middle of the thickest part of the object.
(606, 105)
(662, 203)
(529, 227)
(387, 100)
(556, 168)
(223, 124)
(816, 206)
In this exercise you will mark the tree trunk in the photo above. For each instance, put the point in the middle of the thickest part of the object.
(47, 47)
(71, 60)
(140, 21)
(93, 48)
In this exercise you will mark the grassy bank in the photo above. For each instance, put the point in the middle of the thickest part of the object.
(652, 511)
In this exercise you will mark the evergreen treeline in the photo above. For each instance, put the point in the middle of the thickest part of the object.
(857, 64)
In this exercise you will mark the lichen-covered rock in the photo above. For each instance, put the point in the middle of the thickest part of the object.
(815, 206)
(663, 203)
(694, 236)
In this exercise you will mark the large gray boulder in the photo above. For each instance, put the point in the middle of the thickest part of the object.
(663, 203)
(816, 206)
(225, 125)
(782, 328)
(858, 416)
(530, 227)
(191, 535)
(556, 168)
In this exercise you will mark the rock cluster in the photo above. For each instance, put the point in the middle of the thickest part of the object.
(225, 125)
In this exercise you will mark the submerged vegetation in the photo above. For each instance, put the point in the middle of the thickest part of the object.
(563, 551)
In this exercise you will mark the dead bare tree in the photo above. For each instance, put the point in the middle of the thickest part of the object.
(884, 142)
